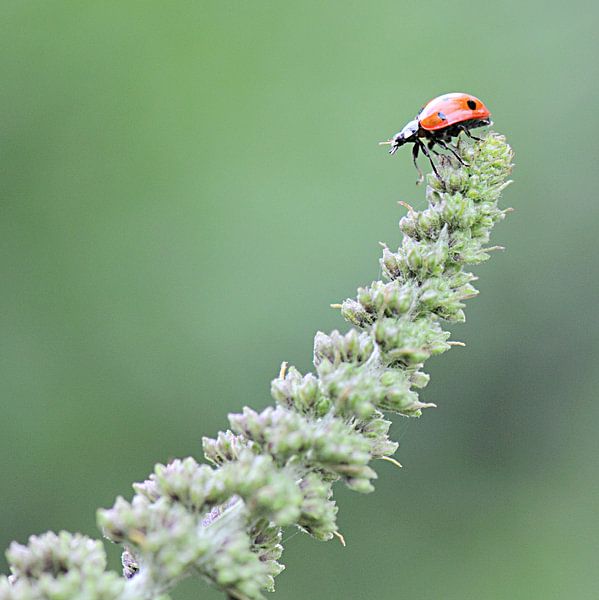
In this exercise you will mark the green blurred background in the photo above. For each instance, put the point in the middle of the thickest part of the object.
(186, 186)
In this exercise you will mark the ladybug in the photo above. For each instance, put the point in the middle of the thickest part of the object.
(438, 121)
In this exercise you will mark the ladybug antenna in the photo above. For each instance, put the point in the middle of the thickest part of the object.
(393, 143)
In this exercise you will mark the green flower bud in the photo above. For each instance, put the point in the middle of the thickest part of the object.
(356, 314)
(318, 511)
(336, 348)
(376, 431)
(226, 447)
(296, 391)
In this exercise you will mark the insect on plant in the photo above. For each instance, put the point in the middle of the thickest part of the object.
(437, 123)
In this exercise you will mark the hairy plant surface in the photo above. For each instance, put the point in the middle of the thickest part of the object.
(276, 468)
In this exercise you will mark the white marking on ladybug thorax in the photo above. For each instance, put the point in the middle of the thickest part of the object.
(410, 129)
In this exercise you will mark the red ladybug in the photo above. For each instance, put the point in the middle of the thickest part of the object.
(438, 121)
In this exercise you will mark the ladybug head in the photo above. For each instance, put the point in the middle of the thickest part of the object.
(407, 134)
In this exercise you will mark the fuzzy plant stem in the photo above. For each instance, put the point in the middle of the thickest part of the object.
(223, 521)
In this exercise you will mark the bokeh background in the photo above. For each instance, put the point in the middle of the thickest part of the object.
(186, 186)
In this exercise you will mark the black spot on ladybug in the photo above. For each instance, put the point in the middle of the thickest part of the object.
(471, 104)
(442, 116)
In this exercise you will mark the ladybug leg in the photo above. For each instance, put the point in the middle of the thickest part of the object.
(415, 150)
(472, 137)
(448, 147)
(431, 147)
(430, 159)
(456, 145)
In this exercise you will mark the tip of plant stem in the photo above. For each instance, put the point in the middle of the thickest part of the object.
(340, 537)
(504, 185)
(406, 205)
(392, 461)
(427, 405)
(283, 370)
